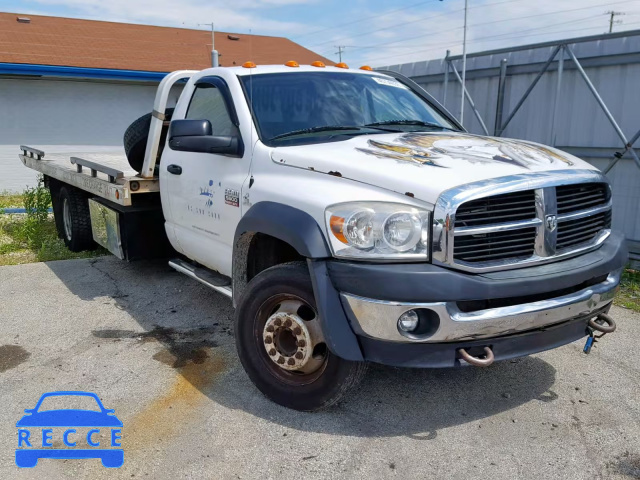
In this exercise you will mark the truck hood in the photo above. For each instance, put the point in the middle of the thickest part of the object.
(426, 164)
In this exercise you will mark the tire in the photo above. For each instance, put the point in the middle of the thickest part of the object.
(73, 220)
(320, 382)
(135, 139)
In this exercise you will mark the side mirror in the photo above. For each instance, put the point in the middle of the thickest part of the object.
(195, 136)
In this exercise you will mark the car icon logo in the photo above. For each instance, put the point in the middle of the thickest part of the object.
(81, 431)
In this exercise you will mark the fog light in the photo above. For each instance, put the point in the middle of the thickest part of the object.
(408, 321)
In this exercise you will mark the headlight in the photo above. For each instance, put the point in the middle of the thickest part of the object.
(379, 230)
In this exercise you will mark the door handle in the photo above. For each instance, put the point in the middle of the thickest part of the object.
(175, 169)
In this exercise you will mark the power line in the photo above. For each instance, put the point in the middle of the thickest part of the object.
(361, 19)
(420, 19)
(487, 40)
(386, 44)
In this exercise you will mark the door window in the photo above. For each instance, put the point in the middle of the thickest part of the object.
(207, 103)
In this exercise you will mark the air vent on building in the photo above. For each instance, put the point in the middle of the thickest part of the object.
(23, 20)
(233, 37)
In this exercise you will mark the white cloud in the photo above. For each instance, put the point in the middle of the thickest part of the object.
(240, 15)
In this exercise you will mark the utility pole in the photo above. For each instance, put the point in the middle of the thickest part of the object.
(464, 61)
(214, 52)
(340, 50)
(612, 15)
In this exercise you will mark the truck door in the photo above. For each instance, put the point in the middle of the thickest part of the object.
(204, 189)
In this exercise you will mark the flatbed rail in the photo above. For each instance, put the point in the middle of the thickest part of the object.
(92, 173)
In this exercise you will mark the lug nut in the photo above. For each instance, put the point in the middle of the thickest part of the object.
(270, 328)
(291, 361)
(297, 331)
(277, 322)
(301, 343)
(268, 340)
(299, 356)
(281, 360)
(272, 352)
(287, 322)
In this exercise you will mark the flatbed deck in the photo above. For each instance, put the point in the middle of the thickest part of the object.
(104, 173)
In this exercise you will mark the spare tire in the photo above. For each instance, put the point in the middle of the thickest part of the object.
(135, 139)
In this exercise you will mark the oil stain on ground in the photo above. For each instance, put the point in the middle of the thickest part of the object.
(198, 365)
(181, 346)
(11, 356)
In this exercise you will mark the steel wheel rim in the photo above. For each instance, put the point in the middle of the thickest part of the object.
(289, 305)
(66, 218)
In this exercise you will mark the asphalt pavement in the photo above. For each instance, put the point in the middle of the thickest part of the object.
(158, 348)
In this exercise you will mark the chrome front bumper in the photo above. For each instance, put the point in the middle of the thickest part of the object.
(378, 319)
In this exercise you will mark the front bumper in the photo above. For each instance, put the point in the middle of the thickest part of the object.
(537, 308)
(378, 319)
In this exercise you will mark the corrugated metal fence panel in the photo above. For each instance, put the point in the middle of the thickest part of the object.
(612, 64)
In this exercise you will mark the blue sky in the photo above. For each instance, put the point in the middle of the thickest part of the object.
(374, 32)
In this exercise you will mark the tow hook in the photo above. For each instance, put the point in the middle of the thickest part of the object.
(477, 361)
(602, 323)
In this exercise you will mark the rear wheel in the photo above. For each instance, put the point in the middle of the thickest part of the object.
(281, 344)
(73, 220)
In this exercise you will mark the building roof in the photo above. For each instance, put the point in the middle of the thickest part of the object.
(96, 44)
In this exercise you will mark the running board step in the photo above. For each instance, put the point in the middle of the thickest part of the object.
(211, 279)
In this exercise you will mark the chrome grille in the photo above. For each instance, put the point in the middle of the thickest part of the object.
(531, 224)
(509, 207)
(571, 198)
(575, 232)
(495, 245)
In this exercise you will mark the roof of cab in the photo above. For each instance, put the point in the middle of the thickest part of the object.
(263, 69)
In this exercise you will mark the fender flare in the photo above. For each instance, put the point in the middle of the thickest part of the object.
(297, 228)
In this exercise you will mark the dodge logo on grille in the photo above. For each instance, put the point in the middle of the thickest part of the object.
(551, 222)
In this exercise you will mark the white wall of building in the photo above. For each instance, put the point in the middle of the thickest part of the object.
(61, 115)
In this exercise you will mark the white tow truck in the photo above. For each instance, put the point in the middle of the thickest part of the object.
(351, 219)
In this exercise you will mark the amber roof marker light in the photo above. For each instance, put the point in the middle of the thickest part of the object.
(342, 65)
(367, 68)
(249, 65)
(292, 63)
(318, 64)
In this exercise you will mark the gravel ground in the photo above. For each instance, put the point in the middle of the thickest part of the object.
(158, 348)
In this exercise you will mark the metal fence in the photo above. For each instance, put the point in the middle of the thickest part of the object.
(581, 95)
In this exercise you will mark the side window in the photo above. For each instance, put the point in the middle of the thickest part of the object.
(207, 104)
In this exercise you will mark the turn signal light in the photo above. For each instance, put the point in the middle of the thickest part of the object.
(318, 63)
(249, 65)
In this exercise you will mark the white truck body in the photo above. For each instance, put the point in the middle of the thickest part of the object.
(238, 216)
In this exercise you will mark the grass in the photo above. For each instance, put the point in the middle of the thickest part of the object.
(32, 237)
(8, 200)
(629, 294)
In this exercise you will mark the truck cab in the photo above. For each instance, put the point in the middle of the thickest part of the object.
(352, 219)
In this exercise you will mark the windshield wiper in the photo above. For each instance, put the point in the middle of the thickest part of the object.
(418, 123)
(326, 128)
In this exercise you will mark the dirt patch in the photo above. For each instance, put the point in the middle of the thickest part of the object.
(627, 464)
(11, 356)
(171, 414)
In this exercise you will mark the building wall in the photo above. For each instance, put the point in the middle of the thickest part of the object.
(64, 116)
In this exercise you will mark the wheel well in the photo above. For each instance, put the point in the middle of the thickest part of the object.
(256, 252)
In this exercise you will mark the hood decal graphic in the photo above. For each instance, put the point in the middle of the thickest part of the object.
(435, 149)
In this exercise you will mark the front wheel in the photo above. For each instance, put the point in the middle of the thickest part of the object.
(281, 344)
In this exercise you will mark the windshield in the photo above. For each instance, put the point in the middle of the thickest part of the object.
(306, 106)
